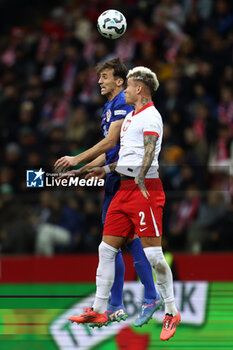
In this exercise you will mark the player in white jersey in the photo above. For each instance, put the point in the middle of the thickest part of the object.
(138, 205)
(146, 121)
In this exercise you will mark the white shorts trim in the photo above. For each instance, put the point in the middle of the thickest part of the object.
(155, 225)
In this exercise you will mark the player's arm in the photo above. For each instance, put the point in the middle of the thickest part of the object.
(101, 172)
(98, 162)
(149, 153)
(101, 147)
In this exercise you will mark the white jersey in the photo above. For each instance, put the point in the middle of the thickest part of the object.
(147, 121)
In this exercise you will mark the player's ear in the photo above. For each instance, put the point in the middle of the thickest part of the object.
(120, 82)
(139, 88)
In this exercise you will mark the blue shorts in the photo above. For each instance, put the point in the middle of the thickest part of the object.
(112, 185)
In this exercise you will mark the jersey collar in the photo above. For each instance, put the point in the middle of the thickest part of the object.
(143, 108)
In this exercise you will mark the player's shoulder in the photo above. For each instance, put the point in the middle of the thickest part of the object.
(151, 115)
(153, 111)
(119, 105)
(120, 98)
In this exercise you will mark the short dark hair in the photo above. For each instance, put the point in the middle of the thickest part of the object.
(119, 69)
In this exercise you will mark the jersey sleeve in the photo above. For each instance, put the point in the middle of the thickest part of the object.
(120, 112)
(152, 126)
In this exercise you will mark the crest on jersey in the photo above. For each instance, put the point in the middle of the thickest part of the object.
(127, 124)
(108, 115)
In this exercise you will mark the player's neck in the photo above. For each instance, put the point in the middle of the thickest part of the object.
(113, 94)
(141, 102)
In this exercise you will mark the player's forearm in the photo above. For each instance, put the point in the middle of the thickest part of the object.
(95, 151)
(147, 161)
(99, 161)
(149, 153)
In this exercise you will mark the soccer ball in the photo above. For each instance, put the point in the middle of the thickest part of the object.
(111, 24)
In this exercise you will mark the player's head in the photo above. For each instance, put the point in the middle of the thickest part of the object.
(111, 77)
(140, 81)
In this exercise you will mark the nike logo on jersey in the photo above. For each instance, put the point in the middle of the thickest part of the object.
(143, 229)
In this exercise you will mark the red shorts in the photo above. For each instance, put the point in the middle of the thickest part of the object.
(129, 212)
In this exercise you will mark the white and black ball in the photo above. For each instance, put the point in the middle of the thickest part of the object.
(111, 24)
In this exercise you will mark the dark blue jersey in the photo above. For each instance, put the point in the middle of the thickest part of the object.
(113, 110)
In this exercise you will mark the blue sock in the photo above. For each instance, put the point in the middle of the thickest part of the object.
(143, 268)
(117, 288)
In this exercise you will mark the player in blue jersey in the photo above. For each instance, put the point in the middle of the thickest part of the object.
(112, 78)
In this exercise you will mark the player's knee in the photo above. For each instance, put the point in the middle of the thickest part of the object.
(150, 257)
(161, 266)
(106, 251)
(156, 259)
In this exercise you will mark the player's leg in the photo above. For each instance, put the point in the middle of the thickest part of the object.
(105, 275)
(116, 308)
(143, 268)
(117, 288)
(116, 300)
(117, 228)
(108, 249)
(150, 231)
(152, 301)
(154, 253)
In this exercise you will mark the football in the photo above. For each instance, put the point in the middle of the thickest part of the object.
(111, 24)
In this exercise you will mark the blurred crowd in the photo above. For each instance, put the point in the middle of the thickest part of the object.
(50, 106)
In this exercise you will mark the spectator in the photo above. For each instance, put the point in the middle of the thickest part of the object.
(225, 107)
(184, 214)
(209, 214)
(56, 225)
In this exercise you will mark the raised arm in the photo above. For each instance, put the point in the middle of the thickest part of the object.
(149, 153)
(101, 147)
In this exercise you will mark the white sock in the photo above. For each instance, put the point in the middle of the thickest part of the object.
(164, 277)
(105, 275)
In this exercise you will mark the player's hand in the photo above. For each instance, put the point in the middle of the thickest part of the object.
(140, 181)
(96, 172)
(64, 163)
